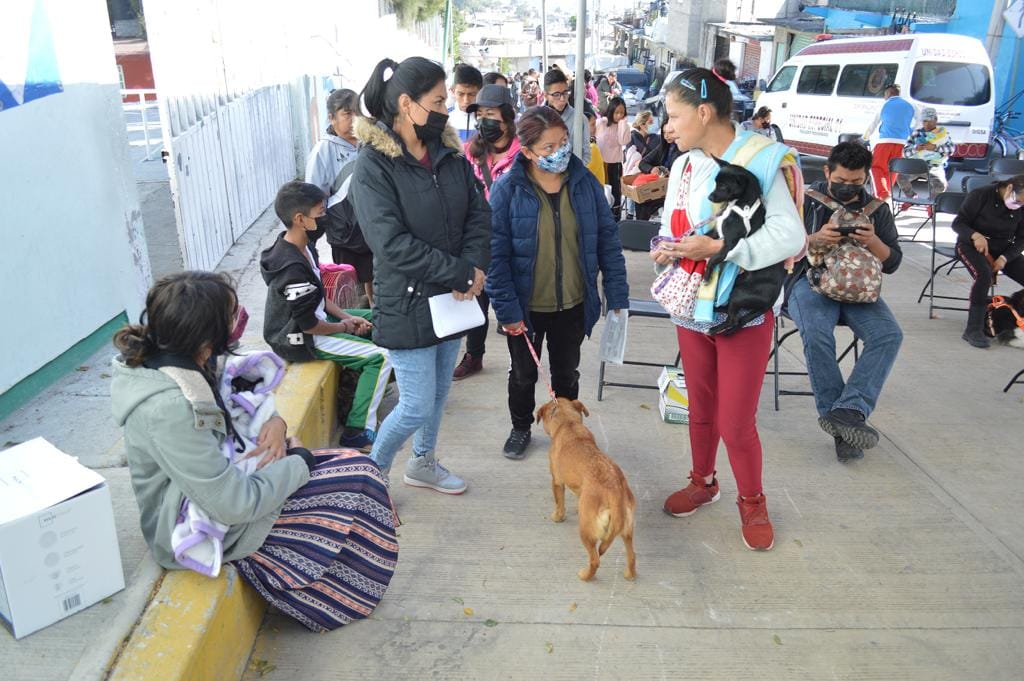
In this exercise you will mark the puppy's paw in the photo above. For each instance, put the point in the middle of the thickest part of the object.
(586, 574)
(558, 517)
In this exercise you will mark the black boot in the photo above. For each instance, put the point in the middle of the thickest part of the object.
(973, 333)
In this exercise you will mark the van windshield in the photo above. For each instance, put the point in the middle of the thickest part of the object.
(950, 83)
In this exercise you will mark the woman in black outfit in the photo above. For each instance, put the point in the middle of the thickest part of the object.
(990, 239)
(658, 160)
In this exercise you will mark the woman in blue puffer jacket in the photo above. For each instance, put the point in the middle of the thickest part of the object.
(552, 232)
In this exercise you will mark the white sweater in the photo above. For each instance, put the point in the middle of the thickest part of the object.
(782, 235)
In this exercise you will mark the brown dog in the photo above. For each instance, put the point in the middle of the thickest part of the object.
(606, 504)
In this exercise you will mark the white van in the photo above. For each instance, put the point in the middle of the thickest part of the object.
(837, 86)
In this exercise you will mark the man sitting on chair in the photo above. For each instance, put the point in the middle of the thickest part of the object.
(843, 407)
(932, 143)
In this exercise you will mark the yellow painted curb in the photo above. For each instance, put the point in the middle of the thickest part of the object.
(197, 628)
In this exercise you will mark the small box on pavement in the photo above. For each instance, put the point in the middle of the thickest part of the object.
(673, 403)
(58, 544)
(647, 191)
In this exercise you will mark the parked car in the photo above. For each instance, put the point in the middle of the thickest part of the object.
(635, 85)
(742, 106)
(837, 86)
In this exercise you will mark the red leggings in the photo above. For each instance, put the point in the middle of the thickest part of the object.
(723, 382)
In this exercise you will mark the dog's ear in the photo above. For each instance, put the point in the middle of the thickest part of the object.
(580, 407)
(547, 409)
(720, 162)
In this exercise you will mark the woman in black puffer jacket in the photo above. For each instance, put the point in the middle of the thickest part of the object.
(428, 225)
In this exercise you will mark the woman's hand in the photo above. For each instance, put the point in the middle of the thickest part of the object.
(999, 264)
(697, 247)
(271, 442)
(475, 289)
(514, 329)
(980, 243)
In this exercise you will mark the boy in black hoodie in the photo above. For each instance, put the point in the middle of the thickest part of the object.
(301, 324)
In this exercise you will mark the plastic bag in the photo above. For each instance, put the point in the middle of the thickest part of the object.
(613, 338)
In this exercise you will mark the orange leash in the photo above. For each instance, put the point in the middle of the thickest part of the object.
(536, 358)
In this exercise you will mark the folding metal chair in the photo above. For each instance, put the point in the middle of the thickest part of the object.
(1005, 168)
(946, 203)
(972, 182)
(1016, 379)
(637, 308)
(780, 338)
(918, 169)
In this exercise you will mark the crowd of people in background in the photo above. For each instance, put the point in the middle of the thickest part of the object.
(470, 187)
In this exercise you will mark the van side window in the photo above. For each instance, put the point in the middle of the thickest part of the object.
(817, 80)
(866, 80)
(783, 80)
(950, 83)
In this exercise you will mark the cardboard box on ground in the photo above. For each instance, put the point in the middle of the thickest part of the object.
(673, 402)
(58, 545)
(642, 193)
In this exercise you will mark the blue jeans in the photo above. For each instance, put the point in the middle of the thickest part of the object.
(816, 317)
(424, 376)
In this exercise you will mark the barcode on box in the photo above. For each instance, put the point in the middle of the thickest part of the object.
(72, 602)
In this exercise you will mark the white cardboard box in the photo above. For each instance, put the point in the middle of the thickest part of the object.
(58, 544)
(673, 402)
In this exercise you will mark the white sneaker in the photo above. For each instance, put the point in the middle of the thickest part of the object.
(425, 471)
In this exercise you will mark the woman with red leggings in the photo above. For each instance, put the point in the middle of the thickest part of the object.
(724, 372)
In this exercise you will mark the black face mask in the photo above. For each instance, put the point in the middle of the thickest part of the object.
(489, 129)
(433, 128)
(844, 192)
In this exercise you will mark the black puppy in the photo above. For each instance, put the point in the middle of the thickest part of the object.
(754, 292)
(1002, 323)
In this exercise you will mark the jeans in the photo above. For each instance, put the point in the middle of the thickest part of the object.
(816, 317)
(564, 332)
(424, 376)
(936, 181)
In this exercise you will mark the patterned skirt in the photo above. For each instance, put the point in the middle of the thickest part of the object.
(332, 552)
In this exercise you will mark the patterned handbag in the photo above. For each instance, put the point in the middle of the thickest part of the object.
(676, 288)
(846, 272)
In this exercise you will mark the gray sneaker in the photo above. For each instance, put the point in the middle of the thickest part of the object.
(425, 471)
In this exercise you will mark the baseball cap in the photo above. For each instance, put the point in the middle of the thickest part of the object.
(929, 114)
(491, 96)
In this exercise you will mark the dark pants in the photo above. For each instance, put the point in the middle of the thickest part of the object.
(363, 262)
(476, 338)
(647, 209)
(564, 333)
(979, 268)
(613, 174)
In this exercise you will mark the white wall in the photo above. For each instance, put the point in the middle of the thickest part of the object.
(73, 254)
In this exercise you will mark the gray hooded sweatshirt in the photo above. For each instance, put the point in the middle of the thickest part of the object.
(328, 157)
(173, 432)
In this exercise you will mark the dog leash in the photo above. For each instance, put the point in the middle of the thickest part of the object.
(536, 358)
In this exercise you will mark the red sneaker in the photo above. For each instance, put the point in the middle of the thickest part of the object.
(693, 496)
(758, 534)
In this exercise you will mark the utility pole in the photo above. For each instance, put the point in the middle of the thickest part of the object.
(448, 38)
(579, 137)
(544, 36)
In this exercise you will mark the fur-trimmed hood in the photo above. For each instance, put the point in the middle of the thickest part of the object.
(382, 138)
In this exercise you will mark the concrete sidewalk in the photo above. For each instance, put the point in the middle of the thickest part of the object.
(74, 414)
(906, 565)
